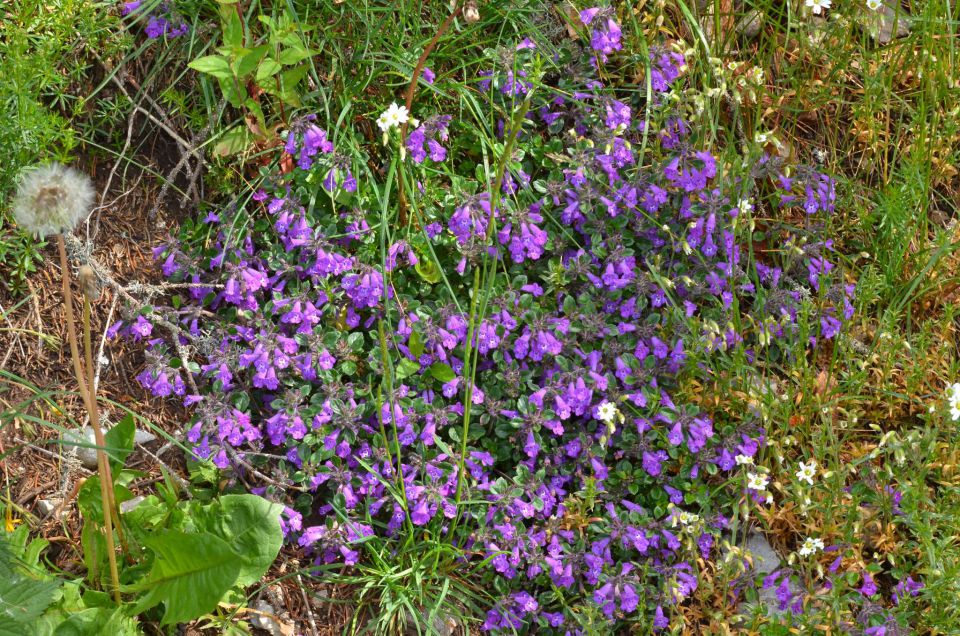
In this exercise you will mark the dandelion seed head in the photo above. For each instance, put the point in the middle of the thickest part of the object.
(52, 199)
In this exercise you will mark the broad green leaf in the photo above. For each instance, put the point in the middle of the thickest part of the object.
(234, 141)
(293, 54)
(428, 271)
(23, 600)
(232, 26)
(119, 442)
(415, 344)
(215, 65)
(267, 69)
(94, 551)
(442, 372)
(251, 525)
(97, 621)
(190, 574)
(247, 63)
(406, 368)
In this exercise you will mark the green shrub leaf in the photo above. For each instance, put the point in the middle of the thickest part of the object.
(190, 574)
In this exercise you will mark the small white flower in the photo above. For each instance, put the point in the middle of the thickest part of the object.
(818, 5)
(743, 460)
(810, 546)
(807, 471)
(761, 137)
(757, 482)
(873, 5)
(393, 116)
(745, 206)
(953, 397)
(52, 199)
(607, 411)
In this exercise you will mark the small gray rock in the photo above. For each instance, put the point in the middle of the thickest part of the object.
(86, 454)
(47, 506)
(130, 504)
(890, 17)
(143, 437)
(748, 27)
(765, 558)
(266, 620)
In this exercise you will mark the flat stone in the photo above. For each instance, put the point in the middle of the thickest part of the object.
(86, 454)
(47, 506)
(765, 559)
(143, 437)
(748, 27)
(889, 18)
(267, 621)
(130, 504)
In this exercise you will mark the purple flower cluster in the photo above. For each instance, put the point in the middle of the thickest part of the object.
(612, 282)
(162, 23)
(424, 140)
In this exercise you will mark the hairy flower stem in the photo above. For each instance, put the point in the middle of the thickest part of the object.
(106, 484)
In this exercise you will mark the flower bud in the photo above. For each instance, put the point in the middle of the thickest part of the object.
(470, 12)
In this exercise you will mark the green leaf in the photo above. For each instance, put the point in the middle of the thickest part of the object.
(442, 372)
(234, 141)
(251, 525)
(215, 65)
(247, 63)
(406, 368)
(428, 271)
(267, 69)
(232, 26)
(293, 54)
(415, 344)
(190, 574)
(23, 600)
(94, 546)
(119, 442)
(96, 621)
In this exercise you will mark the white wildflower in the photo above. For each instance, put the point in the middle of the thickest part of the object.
(807, 471)
(393, 116)
(810, 546)
(953, 397)
(745, 206)
(52, 199)
(818, 5)
(743, 460)
(757, 482)
(606, 412)
(873, 5)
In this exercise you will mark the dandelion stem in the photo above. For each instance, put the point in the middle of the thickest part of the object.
(90, 404)
(95, 421)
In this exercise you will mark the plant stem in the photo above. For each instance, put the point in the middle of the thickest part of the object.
(95, 423)
(90, 403)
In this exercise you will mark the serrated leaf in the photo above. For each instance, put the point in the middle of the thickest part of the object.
(190, 574)
(23, 600)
